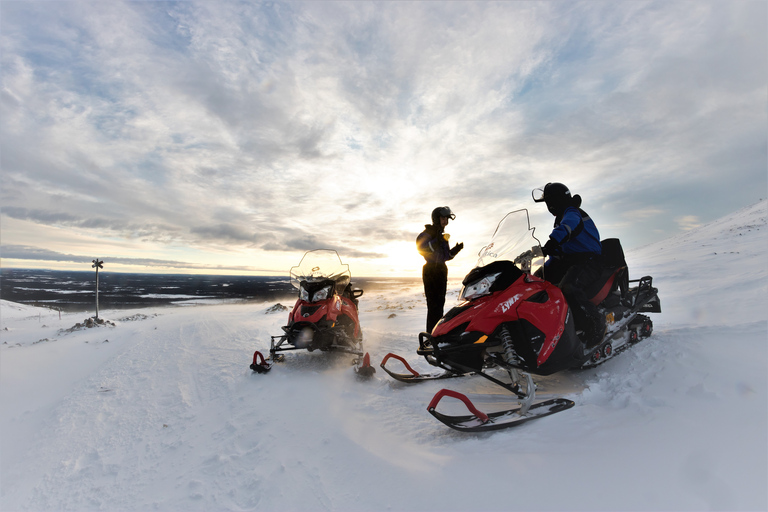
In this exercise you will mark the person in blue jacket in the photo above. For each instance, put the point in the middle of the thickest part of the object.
(574, 257)
(432, 243)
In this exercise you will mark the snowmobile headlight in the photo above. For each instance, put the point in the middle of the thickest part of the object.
(323, 294)
(304, 337)
(478, 288)
(303, 294)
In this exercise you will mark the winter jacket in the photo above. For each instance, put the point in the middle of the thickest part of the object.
(433, 246)
(576, 234)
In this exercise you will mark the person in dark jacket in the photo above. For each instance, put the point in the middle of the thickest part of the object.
(574, 257)
(432, 243)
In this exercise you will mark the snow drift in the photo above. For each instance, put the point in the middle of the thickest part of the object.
(161, 412)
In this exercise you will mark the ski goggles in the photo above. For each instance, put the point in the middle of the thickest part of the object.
(538, 194)
(444, 211)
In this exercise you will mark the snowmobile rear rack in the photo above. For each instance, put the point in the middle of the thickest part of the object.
(644, 295)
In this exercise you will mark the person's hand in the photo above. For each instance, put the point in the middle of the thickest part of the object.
(550, 248)
(457, 248)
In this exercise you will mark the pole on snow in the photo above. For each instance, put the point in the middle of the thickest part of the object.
(97, 265)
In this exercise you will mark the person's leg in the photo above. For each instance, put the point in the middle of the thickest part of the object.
(435, 283)
(554, 271)
(586, 315)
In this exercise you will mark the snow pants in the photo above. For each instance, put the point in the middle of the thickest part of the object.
(573, 277)
(435, 277)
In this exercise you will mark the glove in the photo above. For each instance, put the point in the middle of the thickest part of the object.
(457, 248)
(550, 248)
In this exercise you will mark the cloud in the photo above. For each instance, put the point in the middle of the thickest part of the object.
(22, 252)
(275, 126)
(688, 222)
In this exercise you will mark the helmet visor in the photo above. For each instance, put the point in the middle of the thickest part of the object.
(444, 211)
(538, 194)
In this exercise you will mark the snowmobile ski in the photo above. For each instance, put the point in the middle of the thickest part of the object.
(415, 376)
(260, 365)
(363, 368)
(479, 421)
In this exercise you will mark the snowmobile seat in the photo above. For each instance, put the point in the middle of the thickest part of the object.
(615, 274)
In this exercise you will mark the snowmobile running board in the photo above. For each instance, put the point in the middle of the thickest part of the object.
(479, 421)
(414, 375)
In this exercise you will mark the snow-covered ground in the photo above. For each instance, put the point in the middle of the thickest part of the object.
(161, 412)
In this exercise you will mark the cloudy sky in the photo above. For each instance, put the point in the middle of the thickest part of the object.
(230, 137)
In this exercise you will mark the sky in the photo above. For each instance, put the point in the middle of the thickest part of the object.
(231, 137)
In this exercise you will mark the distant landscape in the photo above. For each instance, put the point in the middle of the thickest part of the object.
(76, 291)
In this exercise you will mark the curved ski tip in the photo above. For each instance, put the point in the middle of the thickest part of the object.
(477, 413)
(402, 360)
(260, 365)
(365, 370)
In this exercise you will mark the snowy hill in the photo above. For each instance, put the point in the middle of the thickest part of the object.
(161, 412)
(716, 274)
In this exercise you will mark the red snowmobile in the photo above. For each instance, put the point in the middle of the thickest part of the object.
(510, 318)
(325, 315)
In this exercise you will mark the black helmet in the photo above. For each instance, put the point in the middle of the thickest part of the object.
(441, 211)
(557, 196)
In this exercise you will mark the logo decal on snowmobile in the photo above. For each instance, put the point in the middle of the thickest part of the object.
(507, 304)
(487, 251)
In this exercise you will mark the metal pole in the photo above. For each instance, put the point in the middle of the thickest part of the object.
(97, 264)
(97, 293)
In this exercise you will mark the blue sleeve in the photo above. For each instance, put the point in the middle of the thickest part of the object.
(569, 222)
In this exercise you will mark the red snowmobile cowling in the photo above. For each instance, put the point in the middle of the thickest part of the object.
(514, 304)
(530, 313)
(329, 310)
(485, 314)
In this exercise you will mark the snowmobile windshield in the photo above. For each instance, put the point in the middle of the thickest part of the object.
(514, 241)
(319, 265)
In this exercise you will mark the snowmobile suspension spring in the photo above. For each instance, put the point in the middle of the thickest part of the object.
(508, 344)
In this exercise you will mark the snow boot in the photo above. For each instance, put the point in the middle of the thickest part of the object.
(596, 331)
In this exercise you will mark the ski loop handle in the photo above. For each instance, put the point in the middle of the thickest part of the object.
(257, 355)
(259, 367)
(401, 359)
(455, 394)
